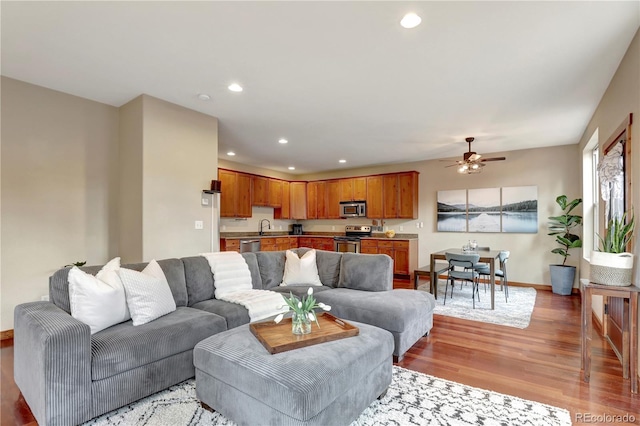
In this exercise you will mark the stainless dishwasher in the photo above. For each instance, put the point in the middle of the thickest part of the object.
(249, 245)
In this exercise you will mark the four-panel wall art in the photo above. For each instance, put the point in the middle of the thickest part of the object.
(510, 209)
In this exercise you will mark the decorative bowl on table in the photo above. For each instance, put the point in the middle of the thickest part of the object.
(390, 233)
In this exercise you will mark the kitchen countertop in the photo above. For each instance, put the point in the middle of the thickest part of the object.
(376, 235)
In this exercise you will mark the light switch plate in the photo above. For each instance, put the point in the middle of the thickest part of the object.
(205, 201)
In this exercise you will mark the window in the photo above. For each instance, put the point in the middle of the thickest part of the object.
(590, 199)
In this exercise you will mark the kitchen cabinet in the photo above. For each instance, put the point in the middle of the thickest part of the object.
(353, 189)
(259, 191)
(298, 200)
(286, 243)
(235, 196)
(374, 197)
(227, 244)
(266, 192)
(318, 243)
(400, 195)
(390, 196)
(333, 199)
(403, 252)
(275, 193)
(268, 244)
(312, 200)
(408, 195)
(284, 211)
(316, 200)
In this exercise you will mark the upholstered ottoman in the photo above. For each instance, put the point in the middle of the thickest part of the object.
(325, 384)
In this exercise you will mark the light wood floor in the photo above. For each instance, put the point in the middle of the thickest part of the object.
(541, 362)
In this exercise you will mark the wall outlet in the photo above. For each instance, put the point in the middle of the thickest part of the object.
(421, 224)
(417, 224)
(280, 228)
(205, 201)
(199, 224)
(333, 228)
(44, 298)
(401, 228)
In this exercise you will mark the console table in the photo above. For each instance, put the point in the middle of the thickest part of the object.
(630, 329)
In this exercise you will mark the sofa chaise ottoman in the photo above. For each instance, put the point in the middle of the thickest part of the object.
(325, 384)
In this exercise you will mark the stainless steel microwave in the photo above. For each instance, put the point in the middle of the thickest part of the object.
(353, 208)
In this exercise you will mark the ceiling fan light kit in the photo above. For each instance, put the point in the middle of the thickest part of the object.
(472, 162)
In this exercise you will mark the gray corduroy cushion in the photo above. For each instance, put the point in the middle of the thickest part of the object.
(199, 279)
(392, 310)
(124, 347)
(328, 265)
(368, 272)
(299, 383)
(233, 313)
(271, 265)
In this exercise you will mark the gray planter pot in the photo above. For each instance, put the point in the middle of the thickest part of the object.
(562, 278)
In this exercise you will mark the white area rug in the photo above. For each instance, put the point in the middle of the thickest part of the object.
(412, 399)
(514, 313)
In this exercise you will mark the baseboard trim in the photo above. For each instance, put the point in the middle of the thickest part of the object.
(6, 335)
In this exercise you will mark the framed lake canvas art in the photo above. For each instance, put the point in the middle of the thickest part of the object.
(483, 210)
(520, 209)
(452, 211)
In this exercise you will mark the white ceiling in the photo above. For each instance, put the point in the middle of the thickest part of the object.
(337, 79)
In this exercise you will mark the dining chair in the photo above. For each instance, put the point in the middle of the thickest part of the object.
(501, 273)
(467, 273)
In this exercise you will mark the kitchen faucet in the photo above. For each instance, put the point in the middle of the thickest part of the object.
(268, 226)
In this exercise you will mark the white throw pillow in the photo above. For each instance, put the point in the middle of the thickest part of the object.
(301, 271)
(148, 293)
(98, 301)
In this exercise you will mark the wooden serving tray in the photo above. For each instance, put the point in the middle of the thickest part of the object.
(278, 338)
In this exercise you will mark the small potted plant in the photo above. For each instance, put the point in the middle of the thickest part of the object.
(612, 265)
(302, 312)
(562, 227)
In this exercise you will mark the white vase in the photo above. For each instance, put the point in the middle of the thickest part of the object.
(615, 269)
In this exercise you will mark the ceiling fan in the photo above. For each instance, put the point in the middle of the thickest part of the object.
(472, 162)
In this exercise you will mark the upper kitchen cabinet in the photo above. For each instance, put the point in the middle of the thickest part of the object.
(333, 199)
(353, 189)
(316, 200)
(298, 193)
(266, 192)
(408, 195)
(235, 194)
(284, 211)
(275, 192)
(374, 197)
(400, 195)
(260, 191)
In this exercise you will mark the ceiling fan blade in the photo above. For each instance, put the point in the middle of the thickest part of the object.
(452, 165)
(474, 157)
(494, 159)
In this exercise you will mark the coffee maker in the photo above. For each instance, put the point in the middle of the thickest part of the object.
(297, 229)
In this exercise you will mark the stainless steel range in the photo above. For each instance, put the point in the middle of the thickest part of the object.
(351, 240)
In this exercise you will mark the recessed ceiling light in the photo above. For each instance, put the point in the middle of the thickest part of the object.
(231, 153)
(235, 87)
(291, 168)
(342, 161)
(410, 20)
(204, 97)
(283, 141)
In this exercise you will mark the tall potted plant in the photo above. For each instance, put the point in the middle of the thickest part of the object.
(612, 265)
(562, 227)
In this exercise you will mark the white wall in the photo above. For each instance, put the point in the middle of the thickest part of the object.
(180, 158)
(59, 188)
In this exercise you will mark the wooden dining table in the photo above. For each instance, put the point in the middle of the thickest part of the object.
(486, 256)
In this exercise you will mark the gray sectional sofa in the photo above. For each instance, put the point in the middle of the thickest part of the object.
(68, 376)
